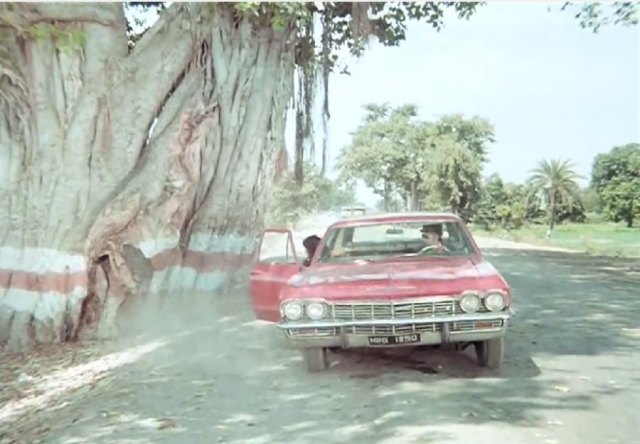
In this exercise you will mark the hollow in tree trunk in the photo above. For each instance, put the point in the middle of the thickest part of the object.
(96, 209)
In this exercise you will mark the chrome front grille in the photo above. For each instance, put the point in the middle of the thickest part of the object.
(391, 330)
(319, 331)
(420, 316)
(364, 311)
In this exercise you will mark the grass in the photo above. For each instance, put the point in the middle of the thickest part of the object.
(606, 239)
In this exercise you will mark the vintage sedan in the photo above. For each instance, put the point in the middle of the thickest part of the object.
(389, 280)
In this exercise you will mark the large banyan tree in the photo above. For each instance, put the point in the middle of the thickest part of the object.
(134, 166)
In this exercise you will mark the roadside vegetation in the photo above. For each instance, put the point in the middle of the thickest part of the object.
(439, 166)
(597, 238)
(290, 201)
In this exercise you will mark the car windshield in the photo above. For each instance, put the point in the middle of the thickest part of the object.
(396, 240)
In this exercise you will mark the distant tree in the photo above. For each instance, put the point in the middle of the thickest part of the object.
(395, 204)
(590, 200)
(615, 176)
(428, 164)
(473, 133)
(500, 205)
(289, 201)
(555, 182)
(453, 173)
(381, 148)
(571, 211)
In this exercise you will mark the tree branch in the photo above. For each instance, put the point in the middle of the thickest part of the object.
(103, 14)
(170, 45)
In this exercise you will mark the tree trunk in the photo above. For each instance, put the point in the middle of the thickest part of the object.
(96, 211)
(552, 214)
(387, 195)
(414, 196)
(629, 216)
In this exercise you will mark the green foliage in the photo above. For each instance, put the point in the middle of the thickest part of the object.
(555, 183)
(380, 149)
(279, 14)
(590, 200)
(615, 177)
(290, 201)
(432, 165)
(511, 206)
(501, 205)
(594, 15)
(592, 237)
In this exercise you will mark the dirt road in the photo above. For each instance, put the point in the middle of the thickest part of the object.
(571, 376)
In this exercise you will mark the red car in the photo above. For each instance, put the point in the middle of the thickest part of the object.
(407, 279)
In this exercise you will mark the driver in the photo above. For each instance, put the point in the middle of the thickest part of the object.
(310, 245)
(432, 236)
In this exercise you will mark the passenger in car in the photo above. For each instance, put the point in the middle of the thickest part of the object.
(310, 245)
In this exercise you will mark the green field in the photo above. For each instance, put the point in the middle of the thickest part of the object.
(599, 239)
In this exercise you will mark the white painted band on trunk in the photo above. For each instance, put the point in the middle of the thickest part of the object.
(40, 260)
(151, 247)
(43, 306)
(229, 243)
(204, 243)
(185, 278)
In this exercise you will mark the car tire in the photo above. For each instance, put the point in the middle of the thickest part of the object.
(315, 359)
(490, 352)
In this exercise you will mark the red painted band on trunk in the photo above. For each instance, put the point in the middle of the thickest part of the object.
(42, 282)
(67, 282)
(200, 261)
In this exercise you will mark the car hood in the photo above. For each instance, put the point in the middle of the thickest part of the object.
(393, 279)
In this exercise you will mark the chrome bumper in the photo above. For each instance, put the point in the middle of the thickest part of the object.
(345, 338)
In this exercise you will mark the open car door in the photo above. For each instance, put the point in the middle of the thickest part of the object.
(275, 263)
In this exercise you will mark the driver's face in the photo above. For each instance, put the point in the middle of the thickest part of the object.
(430, 238)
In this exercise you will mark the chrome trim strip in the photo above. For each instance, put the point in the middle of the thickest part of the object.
(392, 322)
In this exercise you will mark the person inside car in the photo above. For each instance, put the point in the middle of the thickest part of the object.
(432, 236)
(310, 245)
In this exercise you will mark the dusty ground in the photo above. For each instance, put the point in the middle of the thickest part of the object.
(572, 375)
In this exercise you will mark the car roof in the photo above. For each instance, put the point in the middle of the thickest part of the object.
(395, 217)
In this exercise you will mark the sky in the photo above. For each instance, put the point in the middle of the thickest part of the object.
(550, 88)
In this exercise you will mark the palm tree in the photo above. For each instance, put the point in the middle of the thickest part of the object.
(556, 181)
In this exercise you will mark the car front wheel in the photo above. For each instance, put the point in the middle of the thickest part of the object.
(490, 352)
(315, 359)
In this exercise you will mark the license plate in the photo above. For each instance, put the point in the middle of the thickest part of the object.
(394, 340)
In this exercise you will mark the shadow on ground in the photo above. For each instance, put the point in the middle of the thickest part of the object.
(573, 303)
(234, 382)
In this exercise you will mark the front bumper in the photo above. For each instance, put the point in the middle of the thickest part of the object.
(432, 330)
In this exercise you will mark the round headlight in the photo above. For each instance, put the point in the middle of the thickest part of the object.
(316, 310)
(494, 301)
(293, 310)
(470, 303)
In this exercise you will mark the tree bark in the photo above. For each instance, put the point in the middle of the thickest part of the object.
(630, 216)
(552, 213)
(96, 211)
(386, 195)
